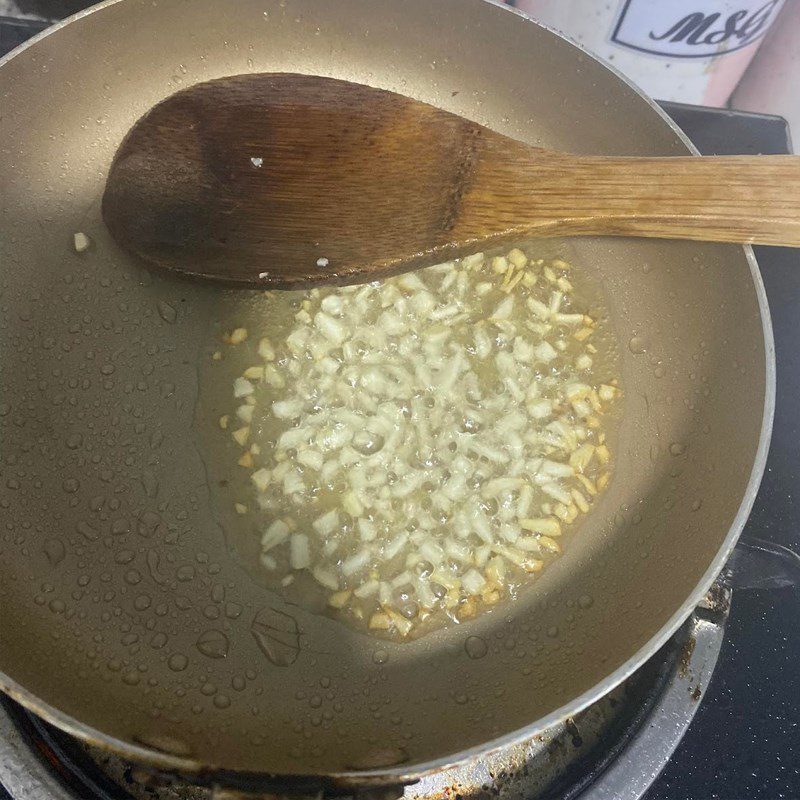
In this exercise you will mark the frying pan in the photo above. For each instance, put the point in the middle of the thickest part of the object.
(129, 617)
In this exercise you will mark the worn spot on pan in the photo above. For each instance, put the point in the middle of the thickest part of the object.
(277, 635)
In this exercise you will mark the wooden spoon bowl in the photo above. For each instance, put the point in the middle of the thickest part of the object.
(282, 180)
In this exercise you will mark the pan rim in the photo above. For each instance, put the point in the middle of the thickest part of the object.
(398, 774)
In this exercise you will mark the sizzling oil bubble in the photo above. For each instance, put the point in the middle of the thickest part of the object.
(476, 647)
(380, 656)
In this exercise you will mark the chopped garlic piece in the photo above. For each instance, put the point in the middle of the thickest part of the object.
(241, 435)
(242, 387)
(236, 336)
(261, 479)
(545, 525)
(245, 413)
(81, 242)
(299, 551)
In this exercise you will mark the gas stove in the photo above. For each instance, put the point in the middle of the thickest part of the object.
(637, 741)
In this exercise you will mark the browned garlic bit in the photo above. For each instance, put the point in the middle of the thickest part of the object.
(432, 435)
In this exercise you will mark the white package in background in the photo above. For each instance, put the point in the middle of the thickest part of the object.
(772, 83)
(689, 51)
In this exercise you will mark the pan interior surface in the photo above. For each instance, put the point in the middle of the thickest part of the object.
(124, 611)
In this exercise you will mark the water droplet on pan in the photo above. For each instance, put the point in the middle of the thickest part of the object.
(476, 647)
(167, 312)
(178, 662)
(54, 550)
(213, 644)
(638, 345)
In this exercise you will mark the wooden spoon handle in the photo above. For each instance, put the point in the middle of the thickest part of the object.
(743, 199)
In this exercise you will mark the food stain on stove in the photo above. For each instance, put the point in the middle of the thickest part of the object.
(572, 729)
(686, 656)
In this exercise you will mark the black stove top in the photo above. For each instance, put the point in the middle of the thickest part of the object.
(744, 742)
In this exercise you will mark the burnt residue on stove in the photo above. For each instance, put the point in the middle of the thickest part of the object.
(574, 732)
(685, 659)
(639, 695)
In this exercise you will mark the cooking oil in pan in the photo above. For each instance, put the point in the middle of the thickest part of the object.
(415, 449)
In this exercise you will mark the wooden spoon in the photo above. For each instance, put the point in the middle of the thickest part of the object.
(280, 180)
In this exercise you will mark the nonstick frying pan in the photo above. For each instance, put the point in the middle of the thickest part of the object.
(127, 616)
